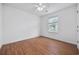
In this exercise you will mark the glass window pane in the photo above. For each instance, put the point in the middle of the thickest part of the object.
(53, 24)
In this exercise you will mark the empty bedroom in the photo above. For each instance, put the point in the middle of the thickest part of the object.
(39, 28)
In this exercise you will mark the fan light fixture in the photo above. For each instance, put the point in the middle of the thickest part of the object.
(40, 6)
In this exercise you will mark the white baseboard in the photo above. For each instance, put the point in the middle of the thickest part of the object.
(61, 40)
(26, 38)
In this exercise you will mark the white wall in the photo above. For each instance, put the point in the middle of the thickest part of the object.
(67, 25)
(78, 24)
(19, 25)
(0, 24)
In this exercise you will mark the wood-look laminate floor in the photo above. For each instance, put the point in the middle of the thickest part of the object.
(39, 46)
(78, 51)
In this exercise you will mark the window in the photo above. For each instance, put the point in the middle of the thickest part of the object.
(53, 24)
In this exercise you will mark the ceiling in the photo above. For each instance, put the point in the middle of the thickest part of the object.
(30, 7)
